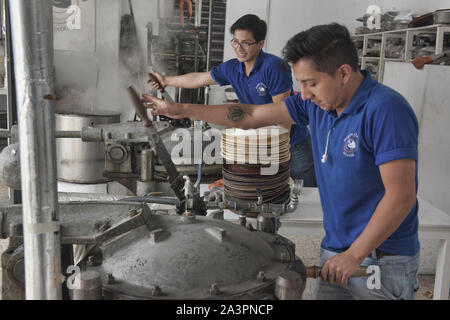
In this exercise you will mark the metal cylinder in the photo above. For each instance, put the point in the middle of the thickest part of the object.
(79, 161)
(32, 41)
(147, 165)
(90, 287)
(267, 222)
(289, 286)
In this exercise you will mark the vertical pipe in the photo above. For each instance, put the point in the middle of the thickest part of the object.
(32, 41)
(208, 52)
(198, 22)
(196, 45)
(11, 113)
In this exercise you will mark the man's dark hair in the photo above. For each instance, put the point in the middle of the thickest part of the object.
(329, 46)
(251, 23)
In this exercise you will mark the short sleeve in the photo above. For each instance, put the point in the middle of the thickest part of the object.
(278, 79)
(394, 131)
(219, 73)
(297, 109)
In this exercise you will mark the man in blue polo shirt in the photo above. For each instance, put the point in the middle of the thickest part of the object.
(257, 78)
(364, 138)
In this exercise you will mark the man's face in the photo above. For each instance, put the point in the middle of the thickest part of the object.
(245, 37)
(321, 88)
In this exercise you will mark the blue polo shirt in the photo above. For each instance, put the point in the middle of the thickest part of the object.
(267, 79)
(377, 126)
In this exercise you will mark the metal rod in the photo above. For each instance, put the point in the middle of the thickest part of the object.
(32, 42)
(11, 114)
(198, 13)
(67, 134)
(208, 53)
(11, 104)
(153, 199)
(4, 133)
(177, 55)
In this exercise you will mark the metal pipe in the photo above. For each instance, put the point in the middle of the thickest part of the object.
(154, 199)
(14, 195)
(32, 41)
(11, 105)
(198, 13)
(4, 133)
(80, 197)
(208, 53)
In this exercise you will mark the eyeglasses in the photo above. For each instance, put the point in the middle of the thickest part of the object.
(244, 44)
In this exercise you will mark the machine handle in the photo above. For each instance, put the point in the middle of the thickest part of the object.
(153, 78)
(164, 93)
(314, 272)
(137, 104)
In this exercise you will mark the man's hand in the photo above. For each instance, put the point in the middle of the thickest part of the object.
(162, 107)
(339, 268)
(162, 81)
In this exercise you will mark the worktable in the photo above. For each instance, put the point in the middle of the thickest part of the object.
(433, 224)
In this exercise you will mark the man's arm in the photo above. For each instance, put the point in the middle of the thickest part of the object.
(399, 181)
(237, 115)
(191, 80)
(279, 98)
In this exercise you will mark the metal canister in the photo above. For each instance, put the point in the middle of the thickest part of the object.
(78, 161)
(441, 16)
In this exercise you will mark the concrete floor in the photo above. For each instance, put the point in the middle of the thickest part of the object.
(307, 249)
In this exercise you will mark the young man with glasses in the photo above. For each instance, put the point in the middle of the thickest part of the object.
(257, 78)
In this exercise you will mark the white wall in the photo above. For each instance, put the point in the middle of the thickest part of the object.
(427, 92)
(288, 17)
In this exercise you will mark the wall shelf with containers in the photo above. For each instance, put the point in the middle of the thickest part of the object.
(403, 45)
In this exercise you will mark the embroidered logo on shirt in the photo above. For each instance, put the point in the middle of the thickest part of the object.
(261, 88)
(351, 145)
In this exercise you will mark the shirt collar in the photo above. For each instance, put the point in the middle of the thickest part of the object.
(257, 64)
(362, 94)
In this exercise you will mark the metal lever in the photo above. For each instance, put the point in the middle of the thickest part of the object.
(163, 91)
(137, 104)
(175, 178)
(314, 272)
